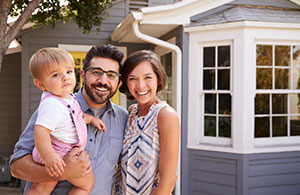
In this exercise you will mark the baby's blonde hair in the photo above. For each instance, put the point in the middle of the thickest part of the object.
(45, 59)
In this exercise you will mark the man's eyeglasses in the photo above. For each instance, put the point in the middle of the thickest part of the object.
(99, 72)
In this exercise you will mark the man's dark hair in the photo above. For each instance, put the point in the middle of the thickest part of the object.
(105, 51)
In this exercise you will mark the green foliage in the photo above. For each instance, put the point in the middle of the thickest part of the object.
(86, 13)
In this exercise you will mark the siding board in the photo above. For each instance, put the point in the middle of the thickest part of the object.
(213, 188)
(10, 103)
(261, 174)
(270, 169)
(212, 177)
(276, 190)
(215, 165)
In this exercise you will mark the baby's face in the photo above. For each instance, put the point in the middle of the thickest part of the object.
(59, 81)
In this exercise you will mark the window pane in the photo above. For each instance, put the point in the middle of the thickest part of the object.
(264, 55)
(223, 79)
(262, 127)
(209, 79)
(282, 78)
(295, 125)
(263, 78)
(279, 126)
(225, 104)
(225, 127)
(166, 94)
(210, 126)
(209, 57)
(296, 55)
(296, 78)
(282, 55)
(210, 103)
(77, 75)
(279, 103)
(77, 61)
(224, 56)
(262, 104)
(295, 103)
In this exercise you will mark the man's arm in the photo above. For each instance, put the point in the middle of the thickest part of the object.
(26, 169)
(23, 167)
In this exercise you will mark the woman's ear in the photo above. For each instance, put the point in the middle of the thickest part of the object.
(39, 84)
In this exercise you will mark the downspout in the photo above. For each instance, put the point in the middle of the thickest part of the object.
(138, 17)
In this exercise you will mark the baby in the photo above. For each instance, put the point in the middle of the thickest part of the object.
(61, 125)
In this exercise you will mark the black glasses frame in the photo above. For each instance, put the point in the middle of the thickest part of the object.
(98, 68)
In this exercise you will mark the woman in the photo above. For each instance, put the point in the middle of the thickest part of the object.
(151, 142)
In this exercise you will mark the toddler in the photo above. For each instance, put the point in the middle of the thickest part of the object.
(61, 125)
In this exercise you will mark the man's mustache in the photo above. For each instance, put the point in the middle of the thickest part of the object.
(101, 85)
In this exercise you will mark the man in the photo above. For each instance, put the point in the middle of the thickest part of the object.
(100, 77)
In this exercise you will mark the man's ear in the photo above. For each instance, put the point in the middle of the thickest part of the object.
(39, 84)
(82, 75)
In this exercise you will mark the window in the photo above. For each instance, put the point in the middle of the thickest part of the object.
(217, 91)
(166, 94)
(277, 99)
(78, 59)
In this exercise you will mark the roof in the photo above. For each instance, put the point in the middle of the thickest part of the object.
(283, 11)
(241, 13)
(157, 21)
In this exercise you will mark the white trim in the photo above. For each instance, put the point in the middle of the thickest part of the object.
(208, 139)
(244, 36)
(232, 25)
(75, 48)
(13, 50)
(86, 48)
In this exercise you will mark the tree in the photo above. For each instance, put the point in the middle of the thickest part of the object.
(87, 14)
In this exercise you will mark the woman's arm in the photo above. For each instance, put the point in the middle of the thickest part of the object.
(169, 135)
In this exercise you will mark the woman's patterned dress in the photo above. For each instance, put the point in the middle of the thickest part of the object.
(140, 155)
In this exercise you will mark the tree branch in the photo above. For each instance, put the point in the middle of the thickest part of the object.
(4, 11)
(24, 17)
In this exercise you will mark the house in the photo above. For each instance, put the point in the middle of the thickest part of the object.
(233, 68)
(235, 83)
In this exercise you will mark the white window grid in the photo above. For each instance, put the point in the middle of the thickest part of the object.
(216, 140)
(273, 91)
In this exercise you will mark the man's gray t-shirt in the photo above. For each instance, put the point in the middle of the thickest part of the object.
(103, 148)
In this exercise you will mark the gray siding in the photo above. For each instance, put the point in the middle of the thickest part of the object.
(274, 174)
(184, 113)
(165, 2)
(10, 103)
(225, 173)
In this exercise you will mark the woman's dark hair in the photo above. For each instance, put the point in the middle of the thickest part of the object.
(133, 61)
(105, 51)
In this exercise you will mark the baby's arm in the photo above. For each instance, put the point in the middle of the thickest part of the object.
(98, 123)
(54, 164)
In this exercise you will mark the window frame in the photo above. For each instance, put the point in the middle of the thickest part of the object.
(206, 140)
(265, 142)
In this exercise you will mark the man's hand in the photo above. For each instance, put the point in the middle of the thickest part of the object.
(78, 164)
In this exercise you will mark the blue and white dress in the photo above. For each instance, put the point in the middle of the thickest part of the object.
(140, 154)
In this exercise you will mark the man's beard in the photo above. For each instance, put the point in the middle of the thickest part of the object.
(96, 96)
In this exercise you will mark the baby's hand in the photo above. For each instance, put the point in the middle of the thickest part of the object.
(98, 123)
(54, 164)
